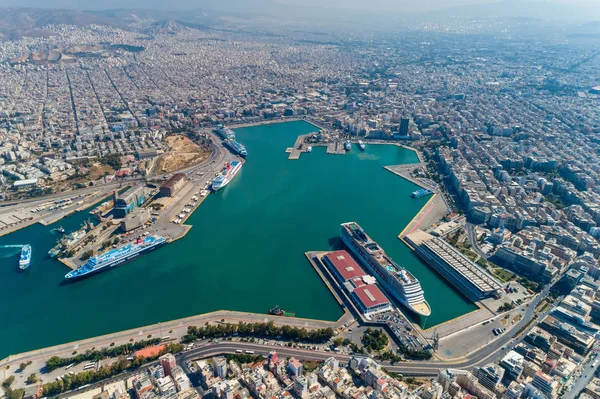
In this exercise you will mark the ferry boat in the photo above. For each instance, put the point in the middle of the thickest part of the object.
(421, 193)
(347, 145)
(228, 173)
(25, 257)
(237, 148)
(277, 311)
(361, 145)
(116, 257)
(225, 133)
(398, 281)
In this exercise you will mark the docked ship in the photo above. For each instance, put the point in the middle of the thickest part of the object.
(116, 257)
(236, 147)
(25, 259)
(69, 240)
(361, 145)
(225, 133)
(421, 193)
(277, 311)
(396, 280)
(229, 171)
(347, 145)
(309, 149)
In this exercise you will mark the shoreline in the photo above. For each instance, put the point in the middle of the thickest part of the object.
(48, 221)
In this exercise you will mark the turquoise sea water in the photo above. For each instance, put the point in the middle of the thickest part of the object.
(245, 251)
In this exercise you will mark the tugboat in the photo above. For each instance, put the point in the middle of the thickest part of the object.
(277, 311)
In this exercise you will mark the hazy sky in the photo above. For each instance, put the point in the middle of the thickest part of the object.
(372, 5)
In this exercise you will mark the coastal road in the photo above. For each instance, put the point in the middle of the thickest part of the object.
(177, 328)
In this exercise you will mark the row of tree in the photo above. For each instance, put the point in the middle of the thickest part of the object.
(94, 355)
(258, 330)
(413, 354)
(69, 381)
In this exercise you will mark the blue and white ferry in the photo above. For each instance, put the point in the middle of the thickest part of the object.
(116, 257)
(237, 147)
(25, 259)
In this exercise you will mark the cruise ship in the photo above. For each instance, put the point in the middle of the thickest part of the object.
(361, 145)
(116, 257)
(228, 173)
(25, 257)
(236, 147)
(397, 281)
(347, 145)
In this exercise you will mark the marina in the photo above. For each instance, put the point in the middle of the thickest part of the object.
(251, 216)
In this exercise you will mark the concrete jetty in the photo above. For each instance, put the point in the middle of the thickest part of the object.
(298, 148)
(336, 147)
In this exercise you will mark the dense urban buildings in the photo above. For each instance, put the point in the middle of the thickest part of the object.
(503, 114)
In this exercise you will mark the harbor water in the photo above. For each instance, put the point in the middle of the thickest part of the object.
(245, 251)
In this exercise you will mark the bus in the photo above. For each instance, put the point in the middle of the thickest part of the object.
(250, 352)
(89, 366)
(69, 366)
(238, 351)
(166, 338)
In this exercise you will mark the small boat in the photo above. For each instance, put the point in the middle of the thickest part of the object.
(277, 311)
(60, 230)
(25, 257)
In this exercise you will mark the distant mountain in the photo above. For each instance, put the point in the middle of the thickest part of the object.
(538, 9)
(18, 22)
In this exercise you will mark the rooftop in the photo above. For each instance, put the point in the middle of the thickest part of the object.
(345, 265)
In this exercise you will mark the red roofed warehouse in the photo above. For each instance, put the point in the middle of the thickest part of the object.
(342, 266)
(369, 299)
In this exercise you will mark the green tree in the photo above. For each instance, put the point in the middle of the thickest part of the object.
(374, 340)
(32, 379)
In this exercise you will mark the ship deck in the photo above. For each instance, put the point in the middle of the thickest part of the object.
(422, 308)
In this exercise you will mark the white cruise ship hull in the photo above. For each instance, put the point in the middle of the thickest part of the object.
(363, 258)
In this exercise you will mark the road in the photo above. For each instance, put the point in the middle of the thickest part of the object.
(473, 240)
(579, 383)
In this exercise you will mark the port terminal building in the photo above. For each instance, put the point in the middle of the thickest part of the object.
(361, 287)
(129, 200)
(173, 185)
(468, 277)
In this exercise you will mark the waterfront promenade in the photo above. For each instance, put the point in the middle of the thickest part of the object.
(175, 329)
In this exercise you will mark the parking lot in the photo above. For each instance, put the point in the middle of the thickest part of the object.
(405, 334)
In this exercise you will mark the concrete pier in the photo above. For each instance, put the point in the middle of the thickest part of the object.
(336, 147)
